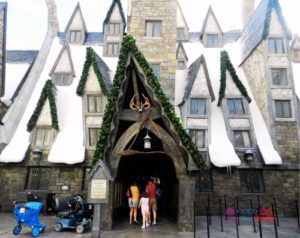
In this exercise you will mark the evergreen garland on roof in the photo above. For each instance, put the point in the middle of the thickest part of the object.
(90, 60)
(47, 92)
(106, 20)
(226, 65)
(275, 4)
(128, 45)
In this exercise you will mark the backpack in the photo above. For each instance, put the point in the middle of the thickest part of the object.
(158, 192)
(129, 193)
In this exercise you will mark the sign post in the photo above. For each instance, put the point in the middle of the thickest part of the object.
(98, 191)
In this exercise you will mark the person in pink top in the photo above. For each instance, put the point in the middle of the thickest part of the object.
(144, 204)
(151, 191)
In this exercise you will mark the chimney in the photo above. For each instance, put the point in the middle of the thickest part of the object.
(247, 10)
(53, 26)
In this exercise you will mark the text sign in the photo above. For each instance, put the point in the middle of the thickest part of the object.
(99, 189)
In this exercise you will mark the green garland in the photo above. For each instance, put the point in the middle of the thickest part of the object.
(90, 60)
(47, 92)
(226, 65)
(128, 45)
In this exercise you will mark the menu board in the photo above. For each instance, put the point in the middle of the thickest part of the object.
(98, 189)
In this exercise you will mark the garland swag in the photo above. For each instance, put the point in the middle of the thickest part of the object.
(47, 92)
(226, 65)
(128, 45)
(90, 60)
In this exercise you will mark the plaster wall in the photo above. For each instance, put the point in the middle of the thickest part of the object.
(200, 87)
(77, 23)
(64, 64)
(45, 116)
(211, 25)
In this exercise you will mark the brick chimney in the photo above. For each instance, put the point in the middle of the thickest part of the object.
(248, 7)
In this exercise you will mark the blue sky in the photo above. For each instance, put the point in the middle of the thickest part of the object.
(27, 19)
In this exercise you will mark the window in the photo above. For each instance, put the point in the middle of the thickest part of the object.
(42, 138)
(38, 178)
(93, 136)
(198, 137)
(156, 70)
(198, 106)
(252, 181)
(279, 77)
(242, 139)
(112, 49)
(181, 64)
(204, 181)
(62, 79)
(276, 46)
(180, 34)
(212, 39)
(95, 104)
(235, 106)
(153, 28)
(114, 28)
(283, 109)
(75, 36)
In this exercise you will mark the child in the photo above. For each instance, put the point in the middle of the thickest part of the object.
(144, 203)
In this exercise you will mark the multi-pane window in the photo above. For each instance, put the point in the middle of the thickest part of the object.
(95, 104)
(283, 109)
(204, 181)
(93, 136)
(279, 76)
(42, 138)
(62, 79)
(114, 28)
(198, 106)
(242, 139)
(198, 137)
(112, 49)
(181, 64)
(212, 39)
(153, 28)
(276, 46)
(156, 70)
(180, 33)
(252, 181)
(38, 178)
(75, 36)
(235, 106)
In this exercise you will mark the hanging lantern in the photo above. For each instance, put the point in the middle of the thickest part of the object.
(147, 142)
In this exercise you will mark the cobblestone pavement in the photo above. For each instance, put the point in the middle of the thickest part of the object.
(164, 229)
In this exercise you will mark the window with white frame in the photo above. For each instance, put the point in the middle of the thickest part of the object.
(75, 36)
(180, 33)
(93, 136)
(94, 104)
(235, 106)
(198, 137)
(114, 28)
(212, 39)
(42, 137)
(112, 49)
(198, 106)
(153, 28)
(242, 138)
(38, 178)
(279, 76)
(276, 46)
(62, 79)
(283, 108)
(156, 69)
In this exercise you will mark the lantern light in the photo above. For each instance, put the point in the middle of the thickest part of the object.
(147, 141)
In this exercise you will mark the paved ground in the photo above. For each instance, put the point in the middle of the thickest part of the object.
(164, 229)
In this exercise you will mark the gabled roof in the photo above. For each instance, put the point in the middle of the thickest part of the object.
(296, 40)
(257, 28)
(108, 15)
(210, 11)
(192, 75)
(227, 65)
(180, 47)
(65, 47)
(77, 8)
(180, 10)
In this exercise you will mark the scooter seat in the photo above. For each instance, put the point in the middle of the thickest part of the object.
(65, 214)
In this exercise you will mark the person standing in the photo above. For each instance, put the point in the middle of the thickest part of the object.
(133, 203)
(151, 190)
(144, 204)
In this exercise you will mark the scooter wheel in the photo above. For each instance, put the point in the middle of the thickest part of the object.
(80, 229)
(58, 227)
(35, 231)
(17, 229)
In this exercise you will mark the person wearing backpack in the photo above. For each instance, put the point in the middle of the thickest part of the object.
(133, 195)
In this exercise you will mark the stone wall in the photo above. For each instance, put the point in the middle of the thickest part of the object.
(160, 50)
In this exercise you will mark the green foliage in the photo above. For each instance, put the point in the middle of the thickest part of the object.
(47, 92)
(128, 45)
(90, 60)
(226, 65)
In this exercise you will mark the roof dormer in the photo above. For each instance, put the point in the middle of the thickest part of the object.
(211, 33)
(182, 27)
(295, 49)
(76, 29)
(181, 56)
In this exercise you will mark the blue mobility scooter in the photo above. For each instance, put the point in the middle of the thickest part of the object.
(27, 215)
(73, 214)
